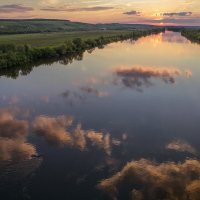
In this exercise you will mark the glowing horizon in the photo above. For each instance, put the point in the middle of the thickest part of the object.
(157, 12)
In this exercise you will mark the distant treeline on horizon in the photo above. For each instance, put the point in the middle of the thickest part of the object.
(19, 26)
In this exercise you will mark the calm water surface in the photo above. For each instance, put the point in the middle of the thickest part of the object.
(123, 123)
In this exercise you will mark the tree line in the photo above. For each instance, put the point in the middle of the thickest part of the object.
(191, 34)
(12, 55)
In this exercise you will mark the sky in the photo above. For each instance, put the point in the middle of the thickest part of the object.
(158, 12)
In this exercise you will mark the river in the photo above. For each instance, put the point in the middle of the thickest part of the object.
(120, 123)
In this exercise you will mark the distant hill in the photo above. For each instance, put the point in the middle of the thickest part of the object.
(18, 26)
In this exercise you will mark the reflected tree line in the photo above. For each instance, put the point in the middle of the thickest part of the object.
(14, 72)
(20, 59)
(191, 34)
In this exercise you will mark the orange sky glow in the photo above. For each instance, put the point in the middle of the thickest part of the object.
(158, 12)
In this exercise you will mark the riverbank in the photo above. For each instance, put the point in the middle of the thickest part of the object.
(191, 34)
(41, 40)
(15, 55)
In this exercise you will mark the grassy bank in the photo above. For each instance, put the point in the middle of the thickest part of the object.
(14, 55)
(191, 34)
(55, 39)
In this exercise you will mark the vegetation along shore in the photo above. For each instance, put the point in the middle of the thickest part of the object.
(19, 53)
(191, 34)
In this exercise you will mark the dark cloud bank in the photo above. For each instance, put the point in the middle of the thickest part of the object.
(10, 8)
(133, 12)
(96, 8)
(181, 14)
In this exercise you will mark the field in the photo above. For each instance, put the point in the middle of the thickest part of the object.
(53, 32)
(10, 26)
(55, 39)
(29, 41)
(40, 26)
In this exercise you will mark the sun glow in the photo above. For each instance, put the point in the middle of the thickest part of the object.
(172, 12)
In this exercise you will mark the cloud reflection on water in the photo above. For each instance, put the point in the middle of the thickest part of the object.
(137, 77)
(161, 38)
(145, 179)
(18, 157)
(84, 93)
(10, 126)
(172, 37)
(58, 131)
(13, 137)
(53, 129)
(181, 146)
(90, 90)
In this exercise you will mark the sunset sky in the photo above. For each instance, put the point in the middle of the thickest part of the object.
(160, 12)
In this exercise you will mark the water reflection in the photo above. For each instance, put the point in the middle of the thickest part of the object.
(56, 131)
(25, 70)
(15, 177)
(181, 146)
(137, 77)
(15, 149)
(94, 91)
(13, 137)
(167, 37)
(53, 129)
(109, 124)
(11, 100)
(174, 38)
(18, 157)
(83, 94)
(145, 179)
